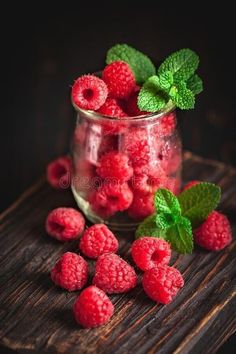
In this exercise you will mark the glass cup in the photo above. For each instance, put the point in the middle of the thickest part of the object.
(119, 163)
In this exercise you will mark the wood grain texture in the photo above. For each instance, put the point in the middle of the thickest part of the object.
(35, 316)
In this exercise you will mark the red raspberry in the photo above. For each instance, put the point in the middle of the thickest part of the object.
(97, 240)
(149, 252)
(190, 184)
(65, 224)
(119, 78)
(142, 206)
(111, 198)
(112, 108)
(162, 283)
(114, 275)
(150, 182)
(139, 146)
(169, 156)
(89, 92)
(108, 143)
(115, 165)
(81, 133)
(132, 106)
(215, 233)
(59, 172)
(93, 308)
(70, 272)
(166, 125)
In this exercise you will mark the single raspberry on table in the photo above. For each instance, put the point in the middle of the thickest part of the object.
(162, 283)
(131, 106)
(70, 272)
(215, 233)
(110, 198)
(112, 108)
(190, 184)
(97, 240)
(142, 206)
(166, 125)
(89, 92)
(65, 224)
(92, 308)
(115, 165)
(149, 252)
(119, 78)
(114, 275)
(59, 172)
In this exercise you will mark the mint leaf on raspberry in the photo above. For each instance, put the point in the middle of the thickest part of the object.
(198, 201)
(180, 236)
(182, 64)
(182, 96)
(151, 98)
(194, 83)
(149, 228)
(166, 202)
(140, 64)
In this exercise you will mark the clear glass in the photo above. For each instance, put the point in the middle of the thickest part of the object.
(118, 164)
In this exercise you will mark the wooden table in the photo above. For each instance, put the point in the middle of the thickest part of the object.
(35, 316)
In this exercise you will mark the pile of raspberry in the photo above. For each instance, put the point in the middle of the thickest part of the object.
(114, 275)
(124, 163)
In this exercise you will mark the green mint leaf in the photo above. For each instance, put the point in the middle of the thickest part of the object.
(151, 98)
(140, 64)
(182, 64)
(199, 201)
(164, 220)
(149, 228)
(182, 96)
(166, 202)
(194, 83)
(166, 80)
(180, 236)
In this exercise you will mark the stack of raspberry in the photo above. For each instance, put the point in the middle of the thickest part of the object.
(123, 162)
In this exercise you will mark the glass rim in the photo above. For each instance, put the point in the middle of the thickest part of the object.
(93, 115)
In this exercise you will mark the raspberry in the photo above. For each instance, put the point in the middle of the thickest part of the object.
(119, 78)
(190, 184)
(93, 308)
(108, 143)
(149, 183)
(59, 172)
(111, 198)
(97, 240)
(142, 206)
(89, 92)
(169, 156)
(166, 125)
(115, 165)
(112, 108)
(215, 233)
(114, 275)
(149, 252)
(65, 224)
(139, 146)
(70, 272)
(80, 133)
(162, 283)
(132, 106)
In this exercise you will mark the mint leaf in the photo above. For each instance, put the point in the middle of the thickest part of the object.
(180, 236)
(149, 228)
(194, 83)
(182, 96)
(151, 98)
(166, 202)
(140, 64)
(182, 64)
(166, 80)
(164, 220)
(198, 201)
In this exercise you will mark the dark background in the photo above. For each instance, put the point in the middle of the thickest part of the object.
(46, 49)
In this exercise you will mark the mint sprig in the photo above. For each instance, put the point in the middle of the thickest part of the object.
(151, 98)
(176, 216)
(182, 97)
(194, 83)
(140, 64)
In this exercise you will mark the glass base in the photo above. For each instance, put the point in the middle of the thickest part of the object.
(119, 222)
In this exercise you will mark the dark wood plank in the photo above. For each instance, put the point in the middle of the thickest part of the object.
(36, 316)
